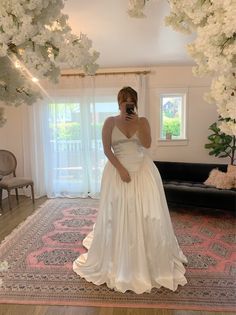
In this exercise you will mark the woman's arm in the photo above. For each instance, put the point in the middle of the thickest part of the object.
(106, 139)
(144, 132)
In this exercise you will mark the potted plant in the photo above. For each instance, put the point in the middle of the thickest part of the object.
(221, 145)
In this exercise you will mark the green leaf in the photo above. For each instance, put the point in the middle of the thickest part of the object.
(214, 128)
(211, 137)
(221, 145)
(211, 153)
(224, 155)
(209, 145)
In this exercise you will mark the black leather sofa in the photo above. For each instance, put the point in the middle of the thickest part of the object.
(183, 185)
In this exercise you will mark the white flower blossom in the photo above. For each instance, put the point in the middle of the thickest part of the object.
(4, 265)
(35, 35)
(228, 128)
(214, 49)
(136, 8)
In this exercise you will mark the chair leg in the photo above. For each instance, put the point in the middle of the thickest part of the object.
(17, 197)
(1, 199)
(9, 199)
(32, 192)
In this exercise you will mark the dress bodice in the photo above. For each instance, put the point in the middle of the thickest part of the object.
(129, 151)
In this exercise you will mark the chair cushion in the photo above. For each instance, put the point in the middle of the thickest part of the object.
(14, 182)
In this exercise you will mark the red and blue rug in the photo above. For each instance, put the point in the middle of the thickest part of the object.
(41, 250)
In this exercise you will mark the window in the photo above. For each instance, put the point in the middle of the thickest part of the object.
(99, 111)
(173, 116)
(75, 156)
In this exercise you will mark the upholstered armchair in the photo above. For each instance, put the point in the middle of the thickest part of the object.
(8, 178)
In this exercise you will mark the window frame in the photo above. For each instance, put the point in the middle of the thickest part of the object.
(162, 92)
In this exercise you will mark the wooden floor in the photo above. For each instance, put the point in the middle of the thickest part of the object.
(10, 220)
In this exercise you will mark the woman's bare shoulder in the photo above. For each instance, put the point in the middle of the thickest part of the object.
(109, 122)
(143, 120)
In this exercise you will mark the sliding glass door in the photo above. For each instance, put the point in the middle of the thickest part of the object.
(74, 150)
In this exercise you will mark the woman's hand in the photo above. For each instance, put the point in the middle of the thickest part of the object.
(124, 175)
(144, 132)
(131, 117)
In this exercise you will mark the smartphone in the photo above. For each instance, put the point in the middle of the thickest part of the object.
(130, 109)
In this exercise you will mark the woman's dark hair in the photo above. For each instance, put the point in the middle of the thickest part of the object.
(126, 92)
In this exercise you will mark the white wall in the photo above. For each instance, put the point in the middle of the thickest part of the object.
(11, 135)
(200, 116)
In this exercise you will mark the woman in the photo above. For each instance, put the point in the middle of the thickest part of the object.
(132, 246)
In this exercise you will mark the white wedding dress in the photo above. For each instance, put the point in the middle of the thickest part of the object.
(133, 245)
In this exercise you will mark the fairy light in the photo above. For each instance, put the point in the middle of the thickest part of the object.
(17, 64)
(35, 79)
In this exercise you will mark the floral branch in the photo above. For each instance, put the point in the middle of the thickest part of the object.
(35, 39)
(213, 50)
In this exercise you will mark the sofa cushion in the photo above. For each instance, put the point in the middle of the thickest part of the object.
(183, 183)
(193, 185)
(197, 172)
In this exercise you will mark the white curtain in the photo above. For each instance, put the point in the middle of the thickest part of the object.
(62, 145)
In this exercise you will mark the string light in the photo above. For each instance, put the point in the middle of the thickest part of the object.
(35, 79)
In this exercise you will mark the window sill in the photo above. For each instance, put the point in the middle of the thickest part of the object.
(172, 142)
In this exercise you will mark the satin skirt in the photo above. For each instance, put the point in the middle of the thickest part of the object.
(133, 245)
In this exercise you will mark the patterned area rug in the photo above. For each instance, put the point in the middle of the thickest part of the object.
(41, 250)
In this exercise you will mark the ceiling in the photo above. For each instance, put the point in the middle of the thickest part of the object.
(128, 42)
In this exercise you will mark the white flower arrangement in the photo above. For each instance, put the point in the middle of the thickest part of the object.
(136, 8)
(214, 49)
(35, 40)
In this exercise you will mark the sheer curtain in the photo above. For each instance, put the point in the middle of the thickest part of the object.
(62, 145)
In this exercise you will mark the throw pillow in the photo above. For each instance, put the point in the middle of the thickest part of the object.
(231, 170)
(220, 179)
(211, 180)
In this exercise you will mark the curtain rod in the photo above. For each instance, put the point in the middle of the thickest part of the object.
(104, 73)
